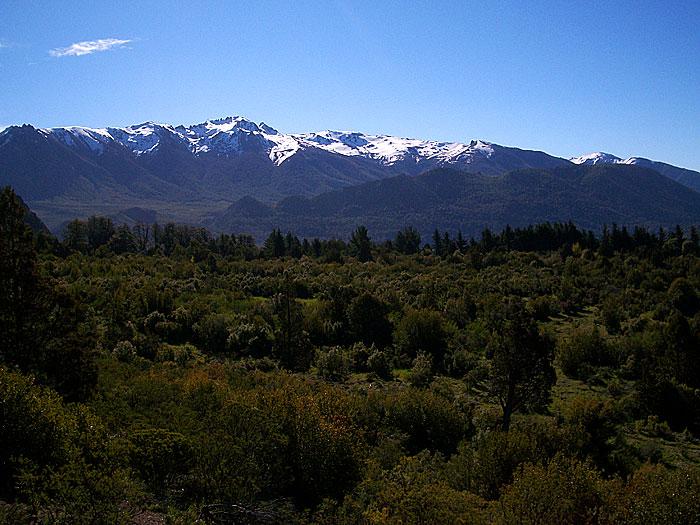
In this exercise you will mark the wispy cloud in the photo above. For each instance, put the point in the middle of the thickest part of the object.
(88, 47)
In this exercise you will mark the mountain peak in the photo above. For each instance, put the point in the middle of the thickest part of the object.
(597, 157)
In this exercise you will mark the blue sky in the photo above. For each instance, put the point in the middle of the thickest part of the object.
(565, 77)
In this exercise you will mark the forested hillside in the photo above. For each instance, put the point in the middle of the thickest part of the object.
(160, 374)
(591, 196)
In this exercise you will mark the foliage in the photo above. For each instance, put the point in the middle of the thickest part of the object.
(520, 372)
(157, 369)
(422, 331)
(582, 351)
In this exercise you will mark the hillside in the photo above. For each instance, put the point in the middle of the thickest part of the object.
(452, 200)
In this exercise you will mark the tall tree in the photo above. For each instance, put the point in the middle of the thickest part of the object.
(520, 371)
(437, 242)
(75, 236)
(19, 281)
(42, 328)
(274, 244)
(408, 241)
(361, 244)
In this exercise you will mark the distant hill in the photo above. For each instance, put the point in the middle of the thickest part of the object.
(591, 196)
(687, 177)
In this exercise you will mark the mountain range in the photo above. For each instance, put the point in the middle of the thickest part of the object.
(211, 173)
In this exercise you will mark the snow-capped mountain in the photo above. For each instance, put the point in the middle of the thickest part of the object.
(684, 176)
(231, 135)
(188, 172)
(598, 157)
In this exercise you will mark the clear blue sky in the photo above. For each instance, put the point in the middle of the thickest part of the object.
(565, 77)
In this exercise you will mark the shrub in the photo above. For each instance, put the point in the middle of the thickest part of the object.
(566, 491)
(422, 371)
(159, 456)
(414, 491)
(367, 319)
(379, 364)
(427, 421)
(489, 462)
(250, 336)
(583, 350)
(35, 427)
(655, 494)
(124, 351)
(422, 331)
(333, 363)
(212, 333)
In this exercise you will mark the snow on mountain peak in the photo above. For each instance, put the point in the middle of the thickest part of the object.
(230, 135)
(597, 157)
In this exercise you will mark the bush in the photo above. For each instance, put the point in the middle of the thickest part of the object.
(489, 462)
(367, 319)
(250, 336)
(379, 364)
(584, 349)
(212, 333)
(422, 371)
(422, 331)
(566, 491)
(655, 494)
(333, 363)
(414, 491)
(591, 426)
(35, 427)
(426, 420)
(56, 457)
(124, 351)
(178, 354)
(159, 456)
(543, 307)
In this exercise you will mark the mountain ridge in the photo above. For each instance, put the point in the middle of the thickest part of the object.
(190, 173)
(590, 196)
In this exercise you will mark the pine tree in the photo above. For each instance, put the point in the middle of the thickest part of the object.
(437, 242)
(361, 244)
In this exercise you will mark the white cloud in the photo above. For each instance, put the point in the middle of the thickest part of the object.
(88, 47)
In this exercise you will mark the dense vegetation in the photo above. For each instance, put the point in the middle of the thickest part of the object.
(454, 200)
(158, 374)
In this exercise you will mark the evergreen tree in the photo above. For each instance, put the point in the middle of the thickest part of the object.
(437, 243)
(520, 371)
(123, 241)
(274, 245)
(19, 281)
(361, 245)
(42, 328)
(408, 241)
(75, 236)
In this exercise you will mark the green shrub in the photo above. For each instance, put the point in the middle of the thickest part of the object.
(583, 350)
(333, 363)
(422, 331)
(159, 456)
(565, 491)
(379, 364)
(422, 371)
(124, 351)
(655, 494)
